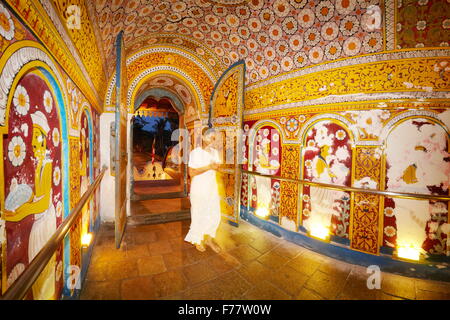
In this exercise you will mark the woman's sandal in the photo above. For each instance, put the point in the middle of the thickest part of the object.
(200, 247)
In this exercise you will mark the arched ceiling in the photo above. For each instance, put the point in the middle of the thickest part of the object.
(273, 36)
(177, 87)
(172, 84)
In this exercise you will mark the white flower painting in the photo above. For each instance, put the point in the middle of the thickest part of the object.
(16, 151)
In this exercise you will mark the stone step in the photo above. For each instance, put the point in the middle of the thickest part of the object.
(156, 218)
(168, 195)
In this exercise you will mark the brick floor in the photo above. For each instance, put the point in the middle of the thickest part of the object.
(155, 263)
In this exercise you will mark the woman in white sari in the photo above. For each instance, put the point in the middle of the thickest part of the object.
(204, 195)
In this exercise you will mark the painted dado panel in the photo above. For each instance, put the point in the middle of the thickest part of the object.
(407, 152)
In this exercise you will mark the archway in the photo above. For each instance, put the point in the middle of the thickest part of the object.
(158, 179)
(153, 124)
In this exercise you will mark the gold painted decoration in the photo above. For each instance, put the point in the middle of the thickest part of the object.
(75, 231)
(365, 226)
(304, 113)
(74, 15)
(405, 75)
(47, 28)
(290, 161)
(74, 174)
(202, 52)
(365, 221)
(226, 117)
(290, 168)
(146, 64)
(289, 200)
(173, 60)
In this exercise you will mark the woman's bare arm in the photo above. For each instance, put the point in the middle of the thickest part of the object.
(195, 172)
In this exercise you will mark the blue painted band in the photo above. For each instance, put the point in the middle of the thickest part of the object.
(65, 166)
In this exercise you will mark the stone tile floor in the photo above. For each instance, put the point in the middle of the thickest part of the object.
(155, 263)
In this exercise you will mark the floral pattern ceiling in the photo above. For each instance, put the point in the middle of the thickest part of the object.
(273, 36)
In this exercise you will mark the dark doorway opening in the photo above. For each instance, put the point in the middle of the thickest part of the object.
(152, 126)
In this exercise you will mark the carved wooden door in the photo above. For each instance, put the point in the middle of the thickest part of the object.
(121, 157)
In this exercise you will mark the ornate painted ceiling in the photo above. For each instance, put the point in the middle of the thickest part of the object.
(273, 36)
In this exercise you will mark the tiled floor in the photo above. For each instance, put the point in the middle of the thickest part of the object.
(155, 263)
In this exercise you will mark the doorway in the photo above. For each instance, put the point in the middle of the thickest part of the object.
(158, 184)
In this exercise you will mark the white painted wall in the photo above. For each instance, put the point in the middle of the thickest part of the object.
(107, 187)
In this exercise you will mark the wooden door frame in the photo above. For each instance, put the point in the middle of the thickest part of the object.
(168, 195)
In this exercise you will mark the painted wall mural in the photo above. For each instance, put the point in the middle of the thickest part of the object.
(394, 148)
(11, 30)
(417, 161)
(42, 18)
(81, 32)
(40, 143)
(194, 47)
(265, 158)
(327, 158)
(402, 75)
(422, 23)
(152, 62)
(33, 187)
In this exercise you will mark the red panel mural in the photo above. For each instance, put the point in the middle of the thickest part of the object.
(32, 171)
(327, 159)
(417, 161)
(265, 158)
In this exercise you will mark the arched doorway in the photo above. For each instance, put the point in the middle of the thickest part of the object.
(153, 124)
(158, 182)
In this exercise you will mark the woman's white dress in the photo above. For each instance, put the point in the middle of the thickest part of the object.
(204, 196)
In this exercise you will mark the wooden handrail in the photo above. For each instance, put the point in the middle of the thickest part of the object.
(22, 285)
(402, 195)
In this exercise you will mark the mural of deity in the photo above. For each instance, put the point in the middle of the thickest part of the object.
(327, 159)
(417, 161)
(33, 205)
(266, 160)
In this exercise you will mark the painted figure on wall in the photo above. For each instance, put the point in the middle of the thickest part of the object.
(327, 159)
(417, 161)
(33, 183)
(266, 160)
